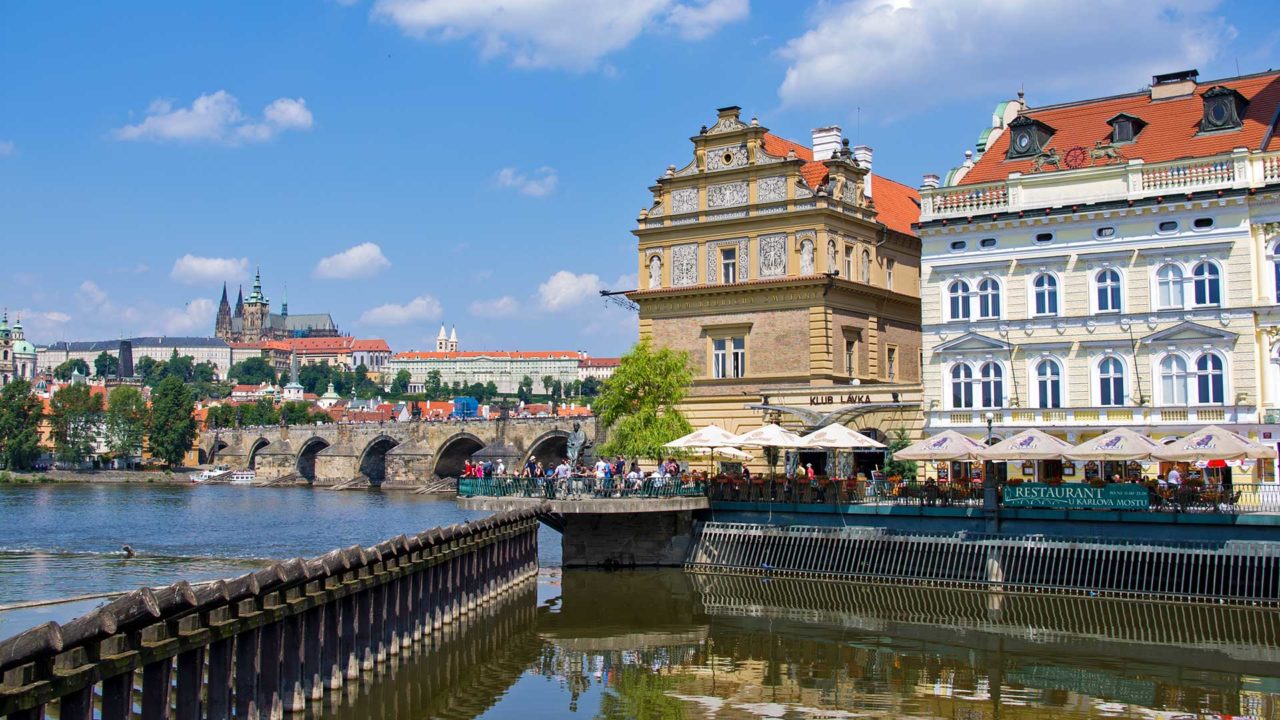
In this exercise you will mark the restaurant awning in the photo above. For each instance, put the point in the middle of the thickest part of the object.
(1213, 443)
(1118, 444)
(1031, 444)
(947, 445)
(839, 437)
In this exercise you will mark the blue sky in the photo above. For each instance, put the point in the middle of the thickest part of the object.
(402, 163)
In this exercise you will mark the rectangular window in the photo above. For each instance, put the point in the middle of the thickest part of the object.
(891, 364)
(848, 263)
(888, 272)
(729, 266)
(728, 357)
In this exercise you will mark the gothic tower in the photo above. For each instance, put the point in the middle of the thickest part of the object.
(257, 313)
(222, 325)
(442, 341)
(453, 339)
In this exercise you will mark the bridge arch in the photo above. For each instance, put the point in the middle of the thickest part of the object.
(455, 452)
(209, 456)
(256, 447)
(373, 459)
(549, 449)
(305, 465)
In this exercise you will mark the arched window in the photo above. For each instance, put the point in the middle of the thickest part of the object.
(1108, 289)
(958, 293)
(989, 299)
(1169, 287)
(866, 267)
(1173, 380)
(1210, 380)
(1049, 382)
(1207, 283)
(1275, 269)
(962, 386)
(1110, 382)
(1046, 292)
(992, 385)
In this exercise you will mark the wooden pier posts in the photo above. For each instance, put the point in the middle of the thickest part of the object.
(265, 644)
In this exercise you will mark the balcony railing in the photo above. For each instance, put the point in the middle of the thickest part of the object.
(1129, 181)
(1099, 416)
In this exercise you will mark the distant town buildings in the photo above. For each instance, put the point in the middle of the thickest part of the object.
(504, 368)
(253, 322)
(1108, 263)
(201, 349)
(17, 356)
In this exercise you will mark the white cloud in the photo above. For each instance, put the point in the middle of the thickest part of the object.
(504, 306)
(362, 261)
(697, 21)
(192, 270)
(419, 309)
(541, 184)
(6, 147)
(91, 294)
(899, 56)
(565, 289)
(217, 118)
(195, 317)
(570, 34)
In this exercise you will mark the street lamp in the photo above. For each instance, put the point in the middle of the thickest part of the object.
(990, 496)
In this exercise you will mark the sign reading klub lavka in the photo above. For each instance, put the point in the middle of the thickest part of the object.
(1077, 496)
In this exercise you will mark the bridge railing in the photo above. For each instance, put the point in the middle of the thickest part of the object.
(579, 487)
(266, 642)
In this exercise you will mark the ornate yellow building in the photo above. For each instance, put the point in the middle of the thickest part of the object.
(790, 275)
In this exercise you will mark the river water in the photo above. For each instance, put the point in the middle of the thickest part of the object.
(664, 643)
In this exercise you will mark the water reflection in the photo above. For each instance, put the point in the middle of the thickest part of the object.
(665, 644)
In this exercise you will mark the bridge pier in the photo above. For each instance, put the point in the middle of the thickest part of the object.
(612, 532)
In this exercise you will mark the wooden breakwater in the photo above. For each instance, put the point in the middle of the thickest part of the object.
(269, 642)
(1238, 572)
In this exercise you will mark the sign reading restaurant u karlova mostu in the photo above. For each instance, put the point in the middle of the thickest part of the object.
(1076, 496)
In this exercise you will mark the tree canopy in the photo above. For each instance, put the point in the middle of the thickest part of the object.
(106, 365)
(127, 416)
(172, 427)
(63, 371)
(76, 415)
(20, 414)
(638, 404)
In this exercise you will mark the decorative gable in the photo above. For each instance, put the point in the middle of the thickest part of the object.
(973, 343)
(1190, 333)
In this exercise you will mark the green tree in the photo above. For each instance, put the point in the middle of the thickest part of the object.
(260, 412)
(253, 371)
(205, 372)
(181, 367)
(400, 384)
(106, 365)
(490, 390)
(547, 382)
(315, 378)
(297, 412)
(591, 387)
(904, 468)
(63, 371)
(638, 405)
(127, 416)
(434, 387)
(173, 429)
(220, 416)
(76, 417)
(20, 414)
(146, 369)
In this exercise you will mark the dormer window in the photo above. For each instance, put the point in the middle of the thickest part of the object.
(1027, 137)
(1125, 128)
(1223, 109)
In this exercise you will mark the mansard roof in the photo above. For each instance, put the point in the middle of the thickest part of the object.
(1172, 129)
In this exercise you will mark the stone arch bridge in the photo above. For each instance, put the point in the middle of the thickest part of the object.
(404, 454)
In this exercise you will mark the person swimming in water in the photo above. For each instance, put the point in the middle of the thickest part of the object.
(128, 551)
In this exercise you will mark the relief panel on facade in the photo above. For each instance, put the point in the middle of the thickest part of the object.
(684, 200)
(726, 158)
(727, 195)
(771, 189)
(773, 255)
(684, 265)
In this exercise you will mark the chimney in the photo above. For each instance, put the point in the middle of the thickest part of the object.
(826, 142)
(862, 153)
(1174, 84)
(930, 182)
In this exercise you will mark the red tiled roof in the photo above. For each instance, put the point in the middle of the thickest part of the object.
(496, 354)
(897, 205)
(599, 362)
(371, 346)
(320, 344)
(1172, 128)
(276, 345)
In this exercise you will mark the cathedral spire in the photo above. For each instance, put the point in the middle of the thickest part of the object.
(224, 294)
(284, 305)
(240, 303)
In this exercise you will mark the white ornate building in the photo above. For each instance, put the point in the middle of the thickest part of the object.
(1110, 262)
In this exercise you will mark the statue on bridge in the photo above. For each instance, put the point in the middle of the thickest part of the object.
(576, 443)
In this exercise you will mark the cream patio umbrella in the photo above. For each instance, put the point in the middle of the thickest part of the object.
(947, 445)
(723, 452)
(708, 437)
(1118, 444)
(770, 437)
(1213, 443)
(1030, 444)
(839, 437)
